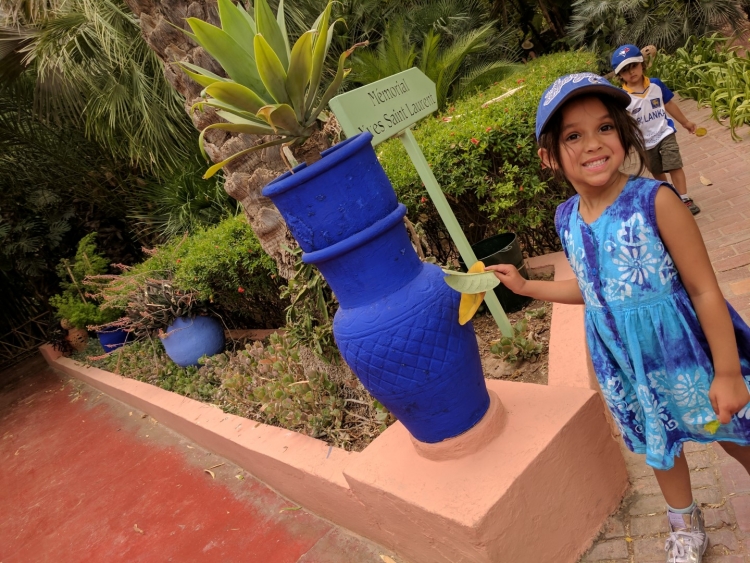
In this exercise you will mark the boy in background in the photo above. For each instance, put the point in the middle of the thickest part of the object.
(651, 101)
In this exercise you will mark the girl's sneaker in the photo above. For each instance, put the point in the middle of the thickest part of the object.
(694, 209)
(687, 545)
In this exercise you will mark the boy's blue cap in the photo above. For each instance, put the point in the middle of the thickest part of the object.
(570, 86)
(624, 55)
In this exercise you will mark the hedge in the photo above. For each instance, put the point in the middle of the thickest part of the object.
(227, 269)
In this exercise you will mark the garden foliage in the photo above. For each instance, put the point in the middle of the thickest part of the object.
(221, 268)
(270, 383)
(485, 160)
(602, 25)
(520, 346)
(712, 72)
(76, 303)
(458, 61)
(309, 316)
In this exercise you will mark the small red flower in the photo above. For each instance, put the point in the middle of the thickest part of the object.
(506, 110)
(423, 200)
(242, 289)
(178, 260)
(475, 141)
(520, 189)
(520, 80)
(453, 134)
(488, 129)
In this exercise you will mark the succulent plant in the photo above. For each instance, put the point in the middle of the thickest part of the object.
(271, 89)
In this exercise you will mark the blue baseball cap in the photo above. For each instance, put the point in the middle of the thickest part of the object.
(624, 55)
(571, 86)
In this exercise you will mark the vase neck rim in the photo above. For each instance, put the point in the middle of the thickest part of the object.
(330, 157)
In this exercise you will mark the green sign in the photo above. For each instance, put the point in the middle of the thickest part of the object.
(386, 107)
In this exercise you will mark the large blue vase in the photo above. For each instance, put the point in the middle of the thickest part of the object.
(397, 325)
(189, 338)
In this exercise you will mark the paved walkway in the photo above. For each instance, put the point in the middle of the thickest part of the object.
(86, 478)
(638, 532)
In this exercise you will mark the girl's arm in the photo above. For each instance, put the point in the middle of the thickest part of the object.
(556, 291)
(674, 110)
(684, 242)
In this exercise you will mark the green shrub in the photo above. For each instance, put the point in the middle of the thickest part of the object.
(309, 316)
(713, 73)
(223, 268)
(520, 346)
(486, 161)
(76, 303)
(80, 314)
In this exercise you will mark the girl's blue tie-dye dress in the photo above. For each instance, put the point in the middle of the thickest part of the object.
(650, 355)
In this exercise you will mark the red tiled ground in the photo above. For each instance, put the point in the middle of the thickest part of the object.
(85, 478)
(636, 534)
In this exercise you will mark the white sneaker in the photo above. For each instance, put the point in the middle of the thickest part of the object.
(687, 545)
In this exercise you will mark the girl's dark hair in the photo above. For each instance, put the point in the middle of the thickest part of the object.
(626, 127)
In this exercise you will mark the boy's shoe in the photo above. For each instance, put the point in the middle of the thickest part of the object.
(687, 545)
(694, 209)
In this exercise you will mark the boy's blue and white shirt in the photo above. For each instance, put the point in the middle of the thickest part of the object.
(647, 108)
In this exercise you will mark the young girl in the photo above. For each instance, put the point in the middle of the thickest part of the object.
(669, 353)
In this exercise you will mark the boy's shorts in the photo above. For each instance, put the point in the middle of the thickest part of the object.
(664, 157)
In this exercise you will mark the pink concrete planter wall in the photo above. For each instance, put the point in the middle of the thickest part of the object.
(553, 454)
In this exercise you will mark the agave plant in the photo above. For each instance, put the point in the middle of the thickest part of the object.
(271, 89)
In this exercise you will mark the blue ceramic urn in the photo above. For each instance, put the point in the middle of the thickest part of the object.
(112, 339)
(397, 325)
(189, 338)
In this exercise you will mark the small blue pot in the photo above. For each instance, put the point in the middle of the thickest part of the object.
(188, 339)
(112, 339)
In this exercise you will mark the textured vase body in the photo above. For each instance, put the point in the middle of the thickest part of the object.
(112, 339)
(397, 325)
(188, 339)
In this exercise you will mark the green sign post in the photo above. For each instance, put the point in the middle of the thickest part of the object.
(388, 108)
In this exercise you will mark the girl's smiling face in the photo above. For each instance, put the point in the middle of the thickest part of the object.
(591, 151)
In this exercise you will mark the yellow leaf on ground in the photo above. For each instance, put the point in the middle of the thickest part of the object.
(137, 529)
(705, 181)
(211, 473)
(700, 131)
(470, 302)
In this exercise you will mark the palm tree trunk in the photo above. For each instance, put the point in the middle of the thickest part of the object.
(245, 177)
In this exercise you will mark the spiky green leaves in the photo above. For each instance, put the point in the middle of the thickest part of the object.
(273, 89)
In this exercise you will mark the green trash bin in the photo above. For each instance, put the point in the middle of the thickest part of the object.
(503, 249)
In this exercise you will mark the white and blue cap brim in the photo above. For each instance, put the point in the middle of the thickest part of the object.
(626, 62)
(572, 86)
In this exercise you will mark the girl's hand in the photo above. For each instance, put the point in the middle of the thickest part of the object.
(728, 395)
(509, 276)
(691, 127)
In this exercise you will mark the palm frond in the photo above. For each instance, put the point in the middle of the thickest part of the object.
(96, 70)
(482, 75)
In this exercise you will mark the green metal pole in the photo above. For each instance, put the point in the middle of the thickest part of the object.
(454, 229)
